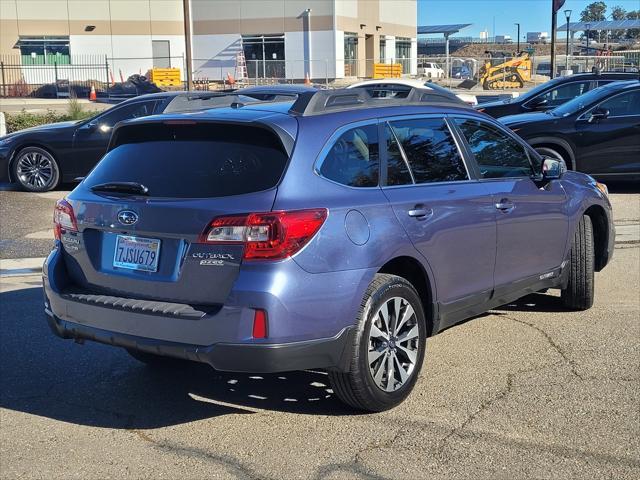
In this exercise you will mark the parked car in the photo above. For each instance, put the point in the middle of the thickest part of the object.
(335, 232)
(402, 86)
(552, 94)
(430, 70)
(39, 158)
(597, 133)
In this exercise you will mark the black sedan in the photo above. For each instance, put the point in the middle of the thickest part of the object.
(40, 158)
(597, 133)
(552, 94)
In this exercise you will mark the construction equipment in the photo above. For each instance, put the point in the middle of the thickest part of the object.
(501, 70)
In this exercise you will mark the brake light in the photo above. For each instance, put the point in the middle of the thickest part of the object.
(63, 218)
(266, 236)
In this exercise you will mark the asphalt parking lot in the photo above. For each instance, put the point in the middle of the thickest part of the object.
(528, 390)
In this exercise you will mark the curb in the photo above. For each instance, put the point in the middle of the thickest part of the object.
(12, 267)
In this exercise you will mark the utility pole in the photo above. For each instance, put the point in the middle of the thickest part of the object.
(187, 42)
(518, 37)
(554, 27)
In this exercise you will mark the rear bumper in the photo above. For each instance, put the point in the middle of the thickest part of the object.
(330, 353)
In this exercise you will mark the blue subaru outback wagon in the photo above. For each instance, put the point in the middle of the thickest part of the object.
(331, 231)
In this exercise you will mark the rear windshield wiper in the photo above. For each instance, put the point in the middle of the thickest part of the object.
(121, 187)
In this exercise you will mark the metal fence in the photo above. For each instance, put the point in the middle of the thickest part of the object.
(23, 76)
(76, 74)
(505, 73)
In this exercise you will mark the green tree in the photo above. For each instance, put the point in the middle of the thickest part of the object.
(594, 12)
(618, 13)
(633, 33)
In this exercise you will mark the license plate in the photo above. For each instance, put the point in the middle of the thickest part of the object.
(136, 253)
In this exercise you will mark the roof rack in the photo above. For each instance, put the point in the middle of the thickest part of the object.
(330, 101)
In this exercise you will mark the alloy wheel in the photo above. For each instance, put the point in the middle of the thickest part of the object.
(35, 169)
(393, 344)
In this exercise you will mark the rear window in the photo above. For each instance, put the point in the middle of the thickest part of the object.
(193, 161)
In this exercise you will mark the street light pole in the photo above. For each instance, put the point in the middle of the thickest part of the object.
(567, 14)
(518, 37)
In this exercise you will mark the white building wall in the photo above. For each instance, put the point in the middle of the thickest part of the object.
(323, 57)
(390, 49)
(214, 56)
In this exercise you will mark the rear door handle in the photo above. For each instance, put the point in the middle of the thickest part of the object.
(420, 211)
(505, 205)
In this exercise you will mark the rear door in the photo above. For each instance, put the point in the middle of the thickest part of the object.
(532, 220)
(447, 214)
(91, 139)
(150, 246)
(611, 146)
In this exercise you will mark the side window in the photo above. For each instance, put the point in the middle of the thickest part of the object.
(397, 169)
(126, 112)
(497, 154)
(623, 105)
(430, 150)
(564, 93)
(353, 159)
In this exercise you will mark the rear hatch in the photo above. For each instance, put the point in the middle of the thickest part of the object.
(142, 211)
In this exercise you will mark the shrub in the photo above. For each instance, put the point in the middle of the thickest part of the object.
(23, 119)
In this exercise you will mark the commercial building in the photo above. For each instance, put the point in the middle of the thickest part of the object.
(283, 39)
(293, 38)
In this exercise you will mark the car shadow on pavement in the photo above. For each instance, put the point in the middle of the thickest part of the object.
(535, 302)
(98, 385)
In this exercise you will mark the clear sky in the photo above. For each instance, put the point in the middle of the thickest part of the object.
(533, 15)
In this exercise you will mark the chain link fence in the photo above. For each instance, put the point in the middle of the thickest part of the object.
(24, 76)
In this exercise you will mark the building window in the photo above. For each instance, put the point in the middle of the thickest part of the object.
(264, 55)
(44, 50)
(350, 54)
(403, 53)
(383, 50)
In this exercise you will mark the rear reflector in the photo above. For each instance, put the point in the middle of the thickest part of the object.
(260, 324)
(266, 236)
(63, 218)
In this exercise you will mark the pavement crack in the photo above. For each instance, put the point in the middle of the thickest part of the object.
(558, 349)
(377, 446)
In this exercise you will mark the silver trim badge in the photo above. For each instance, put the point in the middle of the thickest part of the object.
(127, 217)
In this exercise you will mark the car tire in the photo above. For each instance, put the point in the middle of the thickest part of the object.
(368, 385)
(154, 361)
(35, 170)
(579, 293)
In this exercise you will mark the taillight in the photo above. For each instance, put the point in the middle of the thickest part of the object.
(259, 324)
(266, 236)
(63, 218)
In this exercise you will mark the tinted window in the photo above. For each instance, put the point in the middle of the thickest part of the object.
(623, 105)
(564, 93)
(193, 161)
(353, 158)
(397, 170)
(430, 149)
(126, 112)
(497, 154)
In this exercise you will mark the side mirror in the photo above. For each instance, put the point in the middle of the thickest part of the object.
(598, 114)
(552, 168)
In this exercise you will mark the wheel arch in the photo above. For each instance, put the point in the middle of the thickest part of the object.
(599, 223)
(414, 272)
(555, 142)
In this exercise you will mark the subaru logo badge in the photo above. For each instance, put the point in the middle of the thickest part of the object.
(127, 217)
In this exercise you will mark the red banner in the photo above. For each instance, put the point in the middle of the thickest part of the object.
(557, 4)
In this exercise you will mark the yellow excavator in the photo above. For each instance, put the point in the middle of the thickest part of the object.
(502, 70)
